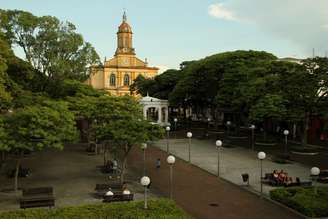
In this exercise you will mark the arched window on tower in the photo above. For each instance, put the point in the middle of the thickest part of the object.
(112, 80)
(126, 80)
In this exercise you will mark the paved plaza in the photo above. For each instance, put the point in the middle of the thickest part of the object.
(234, 161)
(202, 194)
(72, 173)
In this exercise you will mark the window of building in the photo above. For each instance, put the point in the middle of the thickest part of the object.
(112, 80)
(126, 80)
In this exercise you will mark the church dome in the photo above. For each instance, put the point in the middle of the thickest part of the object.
(124, 28)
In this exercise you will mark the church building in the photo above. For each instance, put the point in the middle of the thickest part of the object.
(117, 74)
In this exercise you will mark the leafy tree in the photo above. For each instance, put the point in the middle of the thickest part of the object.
(5, 52)
(52, 47)
(268, 107)
(305, 88)
(116, 119)
(38, 127)
(120, 120)
(221, 80)
(160, 87)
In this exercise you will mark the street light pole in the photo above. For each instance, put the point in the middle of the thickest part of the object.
(261, 156)
(175, 127)
(315, 171)
(189, 135)
(228, 127)
(252, 127)
(286, 132)
(175, 124)
(171, 160)
(167, 138)
(218, 144)
(144, 147)
(145, 182)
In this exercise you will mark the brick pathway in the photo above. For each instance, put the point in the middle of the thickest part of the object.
(201, 194)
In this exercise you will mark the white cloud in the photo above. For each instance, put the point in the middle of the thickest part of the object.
(302, 22)
(218, 10)
(324, 26)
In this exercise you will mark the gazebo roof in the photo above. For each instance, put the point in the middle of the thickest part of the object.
(149, 99)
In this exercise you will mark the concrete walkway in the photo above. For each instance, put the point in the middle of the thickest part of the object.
(234, 161)
(200, 193)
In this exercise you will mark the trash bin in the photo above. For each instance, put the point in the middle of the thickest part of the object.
(245, 177)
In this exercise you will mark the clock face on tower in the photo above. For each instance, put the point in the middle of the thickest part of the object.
(125, 61)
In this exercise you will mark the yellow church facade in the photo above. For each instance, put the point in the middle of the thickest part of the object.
(117, 74)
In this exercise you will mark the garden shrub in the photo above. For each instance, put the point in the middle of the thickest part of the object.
(303, 200)
(157, 209)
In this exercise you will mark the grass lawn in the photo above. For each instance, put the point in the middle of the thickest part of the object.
(303, 200)
(157, 208)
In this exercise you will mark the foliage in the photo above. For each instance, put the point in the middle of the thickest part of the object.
(52, 47)
(157, 208)
(160, 87)
(72, 88)
(222, 79)
(303, 200)
(40, 126)
(305, 89)
(269, 106)
(3, 136)
(5, 97)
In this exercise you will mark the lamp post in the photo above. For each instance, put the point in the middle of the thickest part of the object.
(175, 123)
(261, 156)
(252, 127)
(218, 144)
(228, 127)
(171, 160)
(167, 138)
(144, 147)
(286, 132)
(189, 136)
(145, 182)
(315, 171)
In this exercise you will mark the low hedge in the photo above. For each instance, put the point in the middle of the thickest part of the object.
(157, 208)
(303, 200)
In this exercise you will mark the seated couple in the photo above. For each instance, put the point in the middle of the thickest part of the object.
(281, 178)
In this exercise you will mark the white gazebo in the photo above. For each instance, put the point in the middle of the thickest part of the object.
(155, 110)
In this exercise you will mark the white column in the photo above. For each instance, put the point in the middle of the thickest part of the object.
(145, 112)
(166, 114)
(159, 115)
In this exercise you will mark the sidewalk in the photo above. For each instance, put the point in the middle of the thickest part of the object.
(202, 194)
(233, 162)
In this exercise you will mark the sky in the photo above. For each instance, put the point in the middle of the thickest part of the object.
(170, 32)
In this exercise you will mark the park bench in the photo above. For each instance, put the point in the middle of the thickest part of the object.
(101, 189)
(269, 179)
(323, 176)
(118, 197)
(37, 197)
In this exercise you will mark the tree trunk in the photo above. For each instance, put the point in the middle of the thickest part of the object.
(123, 168)
(105, 151)
(18, 162)
(305, 129)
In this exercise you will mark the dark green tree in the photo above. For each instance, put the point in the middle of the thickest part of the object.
(52, 47)
(305, 88)
(35, 128)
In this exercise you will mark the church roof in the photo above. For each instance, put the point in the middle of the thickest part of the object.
(124, 27)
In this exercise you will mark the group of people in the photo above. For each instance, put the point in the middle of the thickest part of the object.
(282, 178)
(111, 166)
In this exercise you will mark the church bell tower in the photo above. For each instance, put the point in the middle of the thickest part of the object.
(124, 38)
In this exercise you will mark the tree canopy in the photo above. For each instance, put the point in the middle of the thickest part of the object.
(52, 47)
